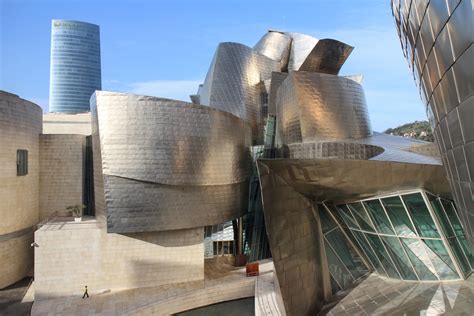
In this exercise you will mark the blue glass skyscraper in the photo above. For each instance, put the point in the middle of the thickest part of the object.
(75, 65)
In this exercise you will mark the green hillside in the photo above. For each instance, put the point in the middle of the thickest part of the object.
(418, 130)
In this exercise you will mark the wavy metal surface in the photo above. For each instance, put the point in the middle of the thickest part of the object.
(239, 75)
(315, 107)
(436, 39)
(233, 84)
(301, 47)
(340, 149)
(327, 172)
(337, 180)
(327, 56)
(275, 45)
(276, 81)
(295, 240)
(168, 164)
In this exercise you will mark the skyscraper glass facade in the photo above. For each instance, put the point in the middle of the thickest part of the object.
(75, 65)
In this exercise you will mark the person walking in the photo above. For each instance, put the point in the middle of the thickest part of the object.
(85, 293)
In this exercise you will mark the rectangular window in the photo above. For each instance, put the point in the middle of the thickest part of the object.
(21, 162)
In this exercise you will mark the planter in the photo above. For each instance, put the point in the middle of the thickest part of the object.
(78, 219)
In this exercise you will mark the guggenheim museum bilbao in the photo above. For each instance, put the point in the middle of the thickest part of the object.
(275, 141)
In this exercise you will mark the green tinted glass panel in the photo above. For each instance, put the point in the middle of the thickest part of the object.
(363, 243)
(458, 252)
(401, 260)
(347, 216)
(443, 219)
(452, 215)
(399, 217)
(382, 255)
(379, 217)
(422, 219)
(334, 286)
(337, 268)
(419, 259)
(467, 250)
(327, 222)
(346, 252)
(361, 216)
(441, 259)
(334, 213)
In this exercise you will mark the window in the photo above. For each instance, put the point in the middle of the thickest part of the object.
(21, 162)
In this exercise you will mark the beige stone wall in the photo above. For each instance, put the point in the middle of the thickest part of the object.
(112, 261)
(61, 172)
(20, 126)
(16, 259)
(60, 123)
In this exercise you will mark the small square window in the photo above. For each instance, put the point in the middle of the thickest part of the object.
(21, 162)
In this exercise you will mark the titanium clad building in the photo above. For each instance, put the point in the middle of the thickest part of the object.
(436, 39)
(75, 65)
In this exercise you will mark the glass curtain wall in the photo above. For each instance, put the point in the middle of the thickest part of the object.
(452, 229)
(345, 263)
(413, 236)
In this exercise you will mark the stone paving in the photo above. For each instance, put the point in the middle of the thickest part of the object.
(222, 282)
(373, 296)
(266, 298)
(12, 300)
(242, 307)
(382, 296)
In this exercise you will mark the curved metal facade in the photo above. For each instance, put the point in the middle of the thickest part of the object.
(314, 107)
(234, 84)
(329, 154)
(275, 45)
(168, 164)
(75, 65)
(327, 57)
(437, 39)
(301, 47)
(240, 78)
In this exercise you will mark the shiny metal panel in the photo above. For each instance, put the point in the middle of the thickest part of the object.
(233, 84)
(327, 57)
(276, 81)
(275, 45)
(301, 47)
(337, 180)
(295, 241)
(342, 150)
(447, 31)
(168, 164)
(315, 107)
(139, 206)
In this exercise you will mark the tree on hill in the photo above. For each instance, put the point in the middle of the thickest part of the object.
(418, 130)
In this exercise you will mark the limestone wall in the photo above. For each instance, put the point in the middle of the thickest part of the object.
(56, 123)
(112, 261)
(20, 126)
(16, 259)
(61, 172)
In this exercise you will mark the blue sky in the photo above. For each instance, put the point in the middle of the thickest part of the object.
(164, 48)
